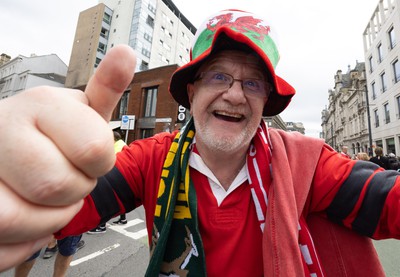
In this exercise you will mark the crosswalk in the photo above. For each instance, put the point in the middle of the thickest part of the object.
(122, 229)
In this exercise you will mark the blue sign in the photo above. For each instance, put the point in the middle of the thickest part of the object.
(125, 119)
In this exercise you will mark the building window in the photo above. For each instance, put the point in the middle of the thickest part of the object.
(390, 147)
(392, 38)
(383, 82)
(373, 90)
(148, 37)
(396, 71)
(144, 65)
(387, 114)
(151, 8)
(150, 102)
(97, 62)
(371, 67)
(123, 104)
(102, 48)
(104, 33)
(164, 59)
(380, 54)
(107, 18)
(150, 21)
(146, 52)
(165, 45)
(146, 133)
(376, 115)
(398, 106)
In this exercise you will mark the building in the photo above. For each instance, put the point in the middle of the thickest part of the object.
(23, 72)
(4, 58)
(295, 127)
(345, 120)
(149, 101)
(382, 53)
(156, 29)
(275, 122)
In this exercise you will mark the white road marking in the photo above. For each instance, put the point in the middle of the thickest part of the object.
(94, 255)
(134, 235)
(120, 229)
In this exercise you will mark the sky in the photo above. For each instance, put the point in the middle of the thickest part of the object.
(316, 39)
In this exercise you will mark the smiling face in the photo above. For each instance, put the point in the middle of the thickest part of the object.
(227, 120)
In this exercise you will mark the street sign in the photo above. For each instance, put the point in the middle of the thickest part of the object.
(128, 122)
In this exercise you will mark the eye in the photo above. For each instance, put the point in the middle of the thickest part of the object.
(252, 84)
(218, 76)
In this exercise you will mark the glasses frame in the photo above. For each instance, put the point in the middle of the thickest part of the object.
(245, 89)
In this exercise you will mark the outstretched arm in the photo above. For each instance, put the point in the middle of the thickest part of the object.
(54, 143)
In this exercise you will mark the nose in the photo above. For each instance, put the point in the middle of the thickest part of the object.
(235, 93)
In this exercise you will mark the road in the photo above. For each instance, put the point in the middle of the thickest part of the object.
(123, 251)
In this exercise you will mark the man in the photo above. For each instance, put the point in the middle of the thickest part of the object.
(225, 196)
(344, 152)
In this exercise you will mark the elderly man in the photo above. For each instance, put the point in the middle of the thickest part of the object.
(225, 196)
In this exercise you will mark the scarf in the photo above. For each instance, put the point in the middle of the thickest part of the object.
(176, 248)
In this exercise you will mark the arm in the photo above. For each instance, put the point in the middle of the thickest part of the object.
(357, 194)
(45, 170)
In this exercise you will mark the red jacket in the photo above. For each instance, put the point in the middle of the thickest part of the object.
(309, 178)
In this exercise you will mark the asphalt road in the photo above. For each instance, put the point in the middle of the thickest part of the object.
(123, 251)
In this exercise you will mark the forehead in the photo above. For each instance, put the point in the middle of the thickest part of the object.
(231, 58)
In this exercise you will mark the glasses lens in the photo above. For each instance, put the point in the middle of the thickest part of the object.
(217, 80)
(254, 86)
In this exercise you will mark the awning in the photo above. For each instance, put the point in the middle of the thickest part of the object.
(114, 124)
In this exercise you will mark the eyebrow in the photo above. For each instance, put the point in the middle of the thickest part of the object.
(256, 73)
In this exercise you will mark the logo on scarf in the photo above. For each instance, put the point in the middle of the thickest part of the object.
(178, 265)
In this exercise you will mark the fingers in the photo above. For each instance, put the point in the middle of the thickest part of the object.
(23, 221)
(111, 79)
(14, 254)
(56, 148)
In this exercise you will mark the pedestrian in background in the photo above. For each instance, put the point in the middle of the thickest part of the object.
(379, 159)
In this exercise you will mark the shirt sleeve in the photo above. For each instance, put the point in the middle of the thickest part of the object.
(357, 194)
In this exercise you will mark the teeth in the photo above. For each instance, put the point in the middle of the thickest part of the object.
(235, 115)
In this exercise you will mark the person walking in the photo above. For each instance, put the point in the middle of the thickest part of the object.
(67, 248)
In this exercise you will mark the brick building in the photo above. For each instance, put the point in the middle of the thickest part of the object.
(149, 100)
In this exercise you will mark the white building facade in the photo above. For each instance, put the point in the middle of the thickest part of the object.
(382, 53)
(158, 32)
(156, 29)
(23, 72)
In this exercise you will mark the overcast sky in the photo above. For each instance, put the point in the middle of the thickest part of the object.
(316, 38)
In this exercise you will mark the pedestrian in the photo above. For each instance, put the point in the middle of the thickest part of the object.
(379, 159)
(67, 248)
(344, 151)
(225, 195)
(362, 156)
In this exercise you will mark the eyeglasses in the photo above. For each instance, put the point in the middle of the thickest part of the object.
(219, 82)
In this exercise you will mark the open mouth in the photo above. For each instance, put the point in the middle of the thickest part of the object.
(231, 117)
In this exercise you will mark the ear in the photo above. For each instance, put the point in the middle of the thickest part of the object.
(190, 92)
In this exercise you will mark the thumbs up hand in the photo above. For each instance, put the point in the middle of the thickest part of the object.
(54, 143)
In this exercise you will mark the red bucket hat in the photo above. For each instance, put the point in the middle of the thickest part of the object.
(234, 29)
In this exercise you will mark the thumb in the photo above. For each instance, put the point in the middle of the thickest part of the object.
(111, 78)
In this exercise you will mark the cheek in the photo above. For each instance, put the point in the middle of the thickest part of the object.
(258, 106)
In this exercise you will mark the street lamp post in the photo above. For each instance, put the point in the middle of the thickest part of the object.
(369, 122)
